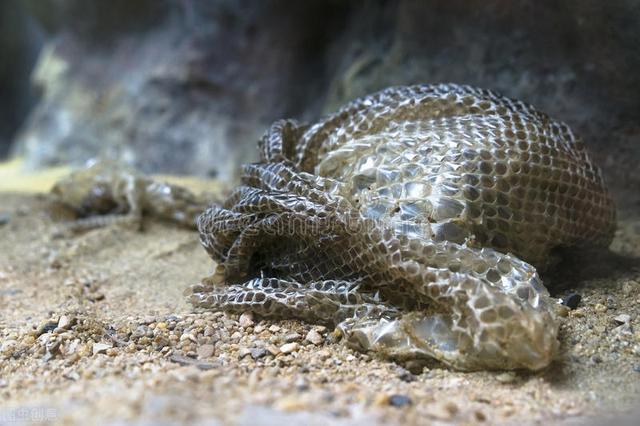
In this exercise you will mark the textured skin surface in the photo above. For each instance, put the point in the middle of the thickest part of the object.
(106, 192)
(411, 219)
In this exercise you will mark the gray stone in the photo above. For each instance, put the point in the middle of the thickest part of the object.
(257, 353)
(291, 337)
(205, 351)
(622, 319)
(4, 218)
(399, 400)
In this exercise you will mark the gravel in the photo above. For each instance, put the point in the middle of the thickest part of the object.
(140, 354)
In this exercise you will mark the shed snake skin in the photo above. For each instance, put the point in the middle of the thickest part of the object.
(413, 219)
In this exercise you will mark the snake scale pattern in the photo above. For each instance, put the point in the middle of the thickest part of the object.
(413, 219)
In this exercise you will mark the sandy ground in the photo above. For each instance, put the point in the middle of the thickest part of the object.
(94, 329)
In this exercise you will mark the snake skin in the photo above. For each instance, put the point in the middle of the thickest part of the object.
(107, 192)
(414, 220)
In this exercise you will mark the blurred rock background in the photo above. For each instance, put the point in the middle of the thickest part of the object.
(188, 86)
(20, 41)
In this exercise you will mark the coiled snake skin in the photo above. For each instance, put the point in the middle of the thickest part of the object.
(413, 219)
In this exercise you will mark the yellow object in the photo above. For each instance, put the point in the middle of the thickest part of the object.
(14, 177)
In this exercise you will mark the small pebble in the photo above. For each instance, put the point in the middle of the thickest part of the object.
(54, 347)
(314, 337)
(95, 296)
(324, 354)
(273, 350)
(257, 353)
(578, 313)
(139, 332)
(622, 319)
(289, 347)
(506, 378)
(43, 339)
(571, 300)
(188, 336)
(71, 375)
(64, 322)
(4, 218)
(100, 348)
(406, 376)
(480, 416)
(205, 351)
(46, 327)
(245, 320)
(561, 310)
(397, 400)
(291, 337)
(600, 308)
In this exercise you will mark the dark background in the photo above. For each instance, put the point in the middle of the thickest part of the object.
(187, 86)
